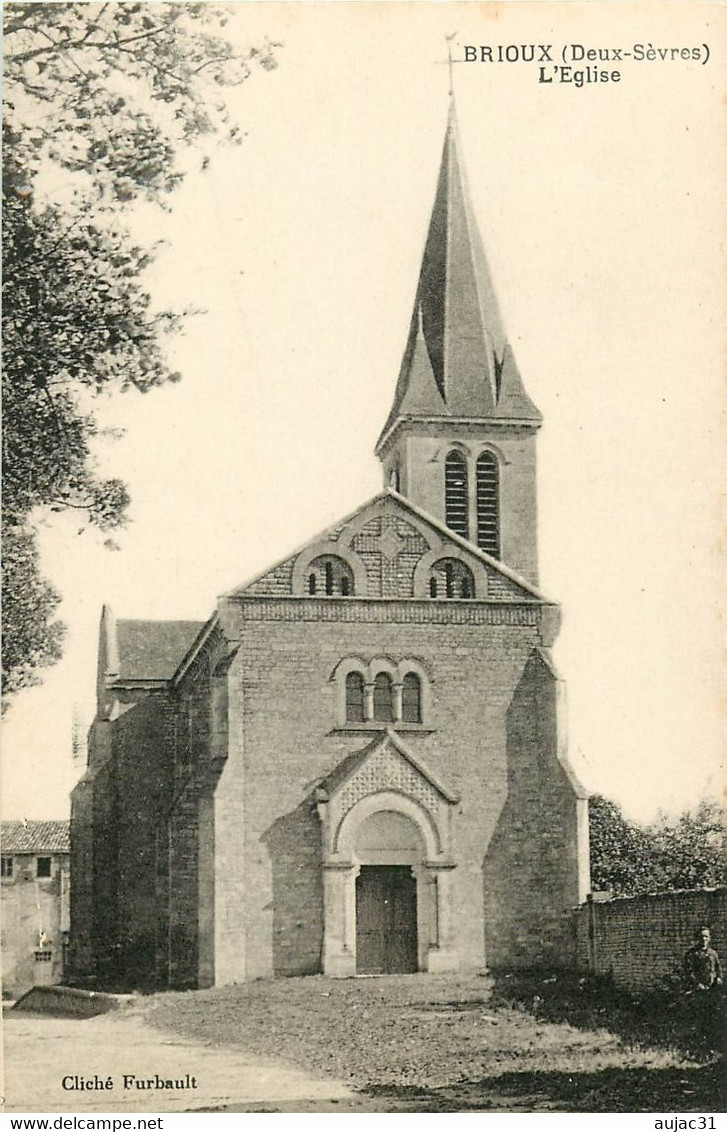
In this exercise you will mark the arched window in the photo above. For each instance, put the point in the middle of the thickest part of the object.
(331, 576)
(354, 698)
(383, 698)
(451, 578)
(456, 494)
(411, 699)
(488, 504)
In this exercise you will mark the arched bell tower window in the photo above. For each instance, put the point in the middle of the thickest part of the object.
(383, 698)
(456, 494)
(411, 699)
(330, 576)
(450, 578)
(355, 710)
(488, 504)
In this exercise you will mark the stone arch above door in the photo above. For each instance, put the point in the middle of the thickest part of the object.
(353, 802)
(383, 802)
(384, 775)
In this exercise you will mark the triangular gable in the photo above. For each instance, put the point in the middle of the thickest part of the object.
(269, 579)
(384, 764)
(528, 591)
(417, 533)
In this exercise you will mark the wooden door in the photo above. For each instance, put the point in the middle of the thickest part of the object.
(386, 920)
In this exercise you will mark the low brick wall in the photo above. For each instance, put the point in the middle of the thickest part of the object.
(641, 940)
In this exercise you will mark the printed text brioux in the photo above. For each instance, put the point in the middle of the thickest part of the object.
(560, 64)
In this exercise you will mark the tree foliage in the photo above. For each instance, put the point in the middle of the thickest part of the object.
(688, 851)
(108, 96)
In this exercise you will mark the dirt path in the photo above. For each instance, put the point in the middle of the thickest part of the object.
(40, 1051)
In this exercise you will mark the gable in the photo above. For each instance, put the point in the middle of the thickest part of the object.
(387, 548)
(385, 764)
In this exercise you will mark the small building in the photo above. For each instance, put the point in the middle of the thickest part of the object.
(35, 896)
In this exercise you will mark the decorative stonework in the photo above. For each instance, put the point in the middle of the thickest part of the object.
(391, 544)
(387, 778)
(396, 612)
(388, 770)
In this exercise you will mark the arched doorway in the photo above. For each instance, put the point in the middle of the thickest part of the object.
(389, 850)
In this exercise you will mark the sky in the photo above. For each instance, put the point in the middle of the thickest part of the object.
(601, 212)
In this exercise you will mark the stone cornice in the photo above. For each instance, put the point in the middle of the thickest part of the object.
(397, 610)
(451, 426)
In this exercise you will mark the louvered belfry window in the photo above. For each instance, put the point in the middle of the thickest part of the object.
(456, 495)
(354, 698)
(488, 504)
(383, 698)
(411, 699)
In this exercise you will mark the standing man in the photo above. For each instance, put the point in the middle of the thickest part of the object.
(702, 967)
(703, 974)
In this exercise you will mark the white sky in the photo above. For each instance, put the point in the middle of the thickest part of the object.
(601, 214)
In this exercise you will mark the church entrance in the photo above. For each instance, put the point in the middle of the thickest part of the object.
(386, 920)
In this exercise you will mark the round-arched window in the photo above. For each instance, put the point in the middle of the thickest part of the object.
(383, 698)
(411, 699)
(355, 708)
(456, 493)
(450, 578)
(488, 504)
(329, 576)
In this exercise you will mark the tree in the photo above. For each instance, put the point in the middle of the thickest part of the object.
(111, 94)
(688, 851)
(620, 850)
(692, 848)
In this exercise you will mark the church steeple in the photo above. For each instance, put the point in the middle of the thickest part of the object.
(457, 360)
(459, 379)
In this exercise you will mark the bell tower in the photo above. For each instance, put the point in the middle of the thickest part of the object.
(459, 441)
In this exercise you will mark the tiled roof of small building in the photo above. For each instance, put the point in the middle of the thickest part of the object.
(36, 837)
(152, 650)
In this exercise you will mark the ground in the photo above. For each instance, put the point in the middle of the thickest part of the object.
(527, 1042)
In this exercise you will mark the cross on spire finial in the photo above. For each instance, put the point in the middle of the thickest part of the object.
(450, 63)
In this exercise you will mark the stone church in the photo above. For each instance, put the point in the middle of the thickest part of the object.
(358, 764)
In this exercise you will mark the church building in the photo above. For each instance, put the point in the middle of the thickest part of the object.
(358, 764)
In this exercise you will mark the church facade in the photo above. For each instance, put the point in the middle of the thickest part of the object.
(358, 764)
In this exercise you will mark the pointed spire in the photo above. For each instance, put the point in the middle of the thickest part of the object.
(457, 320)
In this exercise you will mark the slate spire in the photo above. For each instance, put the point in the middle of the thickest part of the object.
(457, 361)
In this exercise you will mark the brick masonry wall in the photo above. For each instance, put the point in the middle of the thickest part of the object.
(142, 754)
(641, 940)
(81, 940)
(104, 903)
(421, 460)
(285, 735)
(189, 842)
(536, 867)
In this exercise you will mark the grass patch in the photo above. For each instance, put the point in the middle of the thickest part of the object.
(448, 1043)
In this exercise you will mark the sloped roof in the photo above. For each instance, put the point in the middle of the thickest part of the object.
(153, 650)
(457, 361)
(36, 837)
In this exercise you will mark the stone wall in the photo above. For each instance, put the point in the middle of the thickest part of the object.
(30, 905)
(142, 766)
(641, 940)
(537, 861)
(286, 734)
